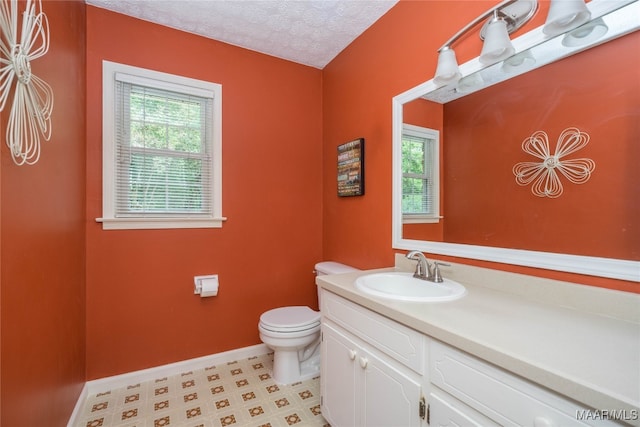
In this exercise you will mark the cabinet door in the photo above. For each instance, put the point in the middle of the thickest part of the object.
(389, 397)
(338, 379)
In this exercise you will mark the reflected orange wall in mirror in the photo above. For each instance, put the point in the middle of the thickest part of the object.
(598, 92)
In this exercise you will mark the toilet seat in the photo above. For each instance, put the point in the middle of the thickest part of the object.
(290, 319)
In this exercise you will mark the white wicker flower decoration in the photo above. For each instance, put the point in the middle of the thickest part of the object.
(544, 176)
(30, 114)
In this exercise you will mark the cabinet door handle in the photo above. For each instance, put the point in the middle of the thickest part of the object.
(352, 354)
(363, 362)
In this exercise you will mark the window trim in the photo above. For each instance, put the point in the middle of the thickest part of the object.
(163, 80)
(428, 134)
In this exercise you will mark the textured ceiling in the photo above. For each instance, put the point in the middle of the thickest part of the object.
(310, 32)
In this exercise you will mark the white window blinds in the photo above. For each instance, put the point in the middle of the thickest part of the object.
(419, 190)
(163, 149)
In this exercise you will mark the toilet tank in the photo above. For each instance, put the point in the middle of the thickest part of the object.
(331, 267)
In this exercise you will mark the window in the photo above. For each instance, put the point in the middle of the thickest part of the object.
(162, 165)
(420, 175)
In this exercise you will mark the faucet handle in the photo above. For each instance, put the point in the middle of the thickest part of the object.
(437, 276)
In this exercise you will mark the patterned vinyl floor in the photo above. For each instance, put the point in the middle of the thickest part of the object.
(240, 393)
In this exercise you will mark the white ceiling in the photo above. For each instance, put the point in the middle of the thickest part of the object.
(310, 32)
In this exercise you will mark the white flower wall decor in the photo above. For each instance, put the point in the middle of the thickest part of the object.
(32, 102)
(544, 175)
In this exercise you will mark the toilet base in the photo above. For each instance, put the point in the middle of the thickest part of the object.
(288, 370)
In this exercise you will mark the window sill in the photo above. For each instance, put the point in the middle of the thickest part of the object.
(159, 223)
(420, 219)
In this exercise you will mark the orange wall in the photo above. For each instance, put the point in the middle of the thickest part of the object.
(394, 55)
(42, 244)
(141, 310)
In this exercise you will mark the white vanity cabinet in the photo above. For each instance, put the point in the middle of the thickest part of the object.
(504, 355)
(371, 368)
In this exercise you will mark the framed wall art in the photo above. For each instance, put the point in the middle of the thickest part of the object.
(351, 168)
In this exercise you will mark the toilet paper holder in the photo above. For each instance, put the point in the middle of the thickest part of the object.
(204, 281)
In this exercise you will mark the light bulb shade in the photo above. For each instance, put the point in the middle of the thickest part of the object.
(565, 15)
(447, 70)
(470, 83)
(519, 63)
(586, 34)
(497, 44)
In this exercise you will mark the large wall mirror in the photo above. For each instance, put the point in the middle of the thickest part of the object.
(592, 228)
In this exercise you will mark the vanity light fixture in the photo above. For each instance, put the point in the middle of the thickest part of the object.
(504, 19)
(608, 19)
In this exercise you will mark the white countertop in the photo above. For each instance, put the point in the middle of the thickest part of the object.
(579, 341)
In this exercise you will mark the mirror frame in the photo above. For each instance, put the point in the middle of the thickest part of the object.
(586, 265)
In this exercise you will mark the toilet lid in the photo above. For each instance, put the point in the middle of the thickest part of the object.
(290, 317)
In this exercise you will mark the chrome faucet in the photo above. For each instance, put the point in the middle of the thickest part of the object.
(424, 270)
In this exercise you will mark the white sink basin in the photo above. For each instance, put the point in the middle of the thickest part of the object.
(405, 287)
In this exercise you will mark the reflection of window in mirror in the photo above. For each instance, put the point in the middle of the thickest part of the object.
(420, 174)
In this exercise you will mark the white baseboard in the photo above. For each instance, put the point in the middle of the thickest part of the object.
(123, 380)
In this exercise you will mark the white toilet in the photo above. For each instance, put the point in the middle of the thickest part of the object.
(293, 333)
